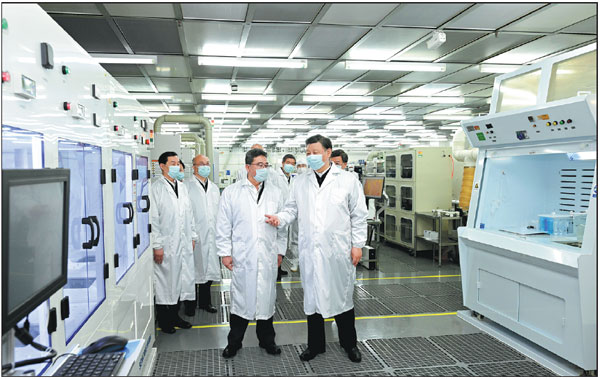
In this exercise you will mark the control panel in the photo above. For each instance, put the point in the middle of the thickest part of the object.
(566, 120)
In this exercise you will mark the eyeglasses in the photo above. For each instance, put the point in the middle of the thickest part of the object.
(260, 165)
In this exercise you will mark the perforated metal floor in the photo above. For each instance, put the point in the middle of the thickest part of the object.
(411, 305)
(389, 290)
(408, 356)
(450, 303)
(476, 348)
(433, 288)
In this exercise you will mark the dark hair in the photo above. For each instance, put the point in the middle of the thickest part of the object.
(182, 165)
(340, 153)
(250, 155)
(288, 156)
(164, 157)
(325, 142)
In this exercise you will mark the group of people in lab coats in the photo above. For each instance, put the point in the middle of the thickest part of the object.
(319, 214)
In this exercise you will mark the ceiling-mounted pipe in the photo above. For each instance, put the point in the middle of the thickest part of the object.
(462, 150)
(200, 147)
(191, 119)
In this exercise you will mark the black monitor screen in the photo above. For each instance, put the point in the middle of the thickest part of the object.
(34, 239)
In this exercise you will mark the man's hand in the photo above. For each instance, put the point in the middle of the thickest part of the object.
(279, 259)
(228, 262)
(158, 255)
(193, 245)
(356, 255)
(272, 220)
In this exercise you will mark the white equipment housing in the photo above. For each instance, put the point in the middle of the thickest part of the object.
(85, 140)
(536, 156)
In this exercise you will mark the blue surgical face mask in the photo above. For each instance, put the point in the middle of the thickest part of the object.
(315, 161)
(204, 171)
(261, 175)
(289, 168)
(174, 171)
(180, 175)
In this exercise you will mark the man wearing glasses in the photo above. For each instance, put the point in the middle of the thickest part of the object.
(204, 196)
(252, 250)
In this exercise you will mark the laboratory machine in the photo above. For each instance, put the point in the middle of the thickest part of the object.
(528, 254)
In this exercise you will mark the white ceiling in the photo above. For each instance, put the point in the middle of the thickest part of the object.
(326, 34)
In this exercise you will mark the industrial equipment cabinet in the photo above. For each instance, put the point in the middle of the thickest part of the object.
(416, 180)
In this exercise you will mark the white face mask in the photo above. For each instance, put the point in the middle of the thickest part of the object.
(301, 170)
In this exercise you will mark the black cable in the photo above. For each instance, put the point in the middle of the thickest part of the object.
(62, 355)
(26, 339)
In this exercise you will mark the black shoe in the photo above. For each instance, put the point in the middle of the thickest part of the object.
(169, 330)
(189, 309)
(308, 354)
(230, 352)
(354, 354)
(209, 308)
(271, 349)
(282, 272)
(181, 323)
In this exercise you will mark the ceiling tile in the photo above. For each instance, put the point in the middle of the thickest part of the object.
(135, 84)
(211, 85)
(286, 87)
(140, 10)
(168, 66)
(181, 98)
(424, 76)
(71, 8)
(489, 79)
(273, 40)
(429, 89)
(491, 16)
(267, 109)
(172, 84)
(356, 14)
(427, 15)
(323, 88)
(554, 17)
(181, 108)
(213, 11)
(151, 36)
(347, 109)
(257, 72)
(272, 12)
(464, 76)
(329, 41)
(315, 68)
(384, 43)
(384, 76)
(212, 38)
(153, 106)
(587, 26)
(454, 40)
(540, 48)
(92, 33)
(487, 46)
(483, 93)
(122, 69)
(394, 89)
(464, 89)
(216, 72)
(359, 89)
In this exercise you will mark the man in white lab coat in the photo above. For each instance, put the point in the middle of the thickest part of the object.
(204, 196)
(340, 158)
(286, 175)
(253, 250)
(174, 239)
(332, 221)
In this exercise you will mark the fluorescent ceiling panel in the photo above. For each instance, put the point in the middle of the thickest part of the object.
(431, 100)
(238, 97)
(395, 66)
(338, 99)
(252, 62)
(124, 58)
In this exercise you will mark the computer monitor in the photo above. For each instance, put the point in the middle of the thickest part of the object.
(35, 232)
(373, 187)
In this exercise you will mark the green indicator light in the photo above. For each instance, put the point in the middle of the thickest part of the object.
(562, 122)
(115, 104)
(481, 136)
(4, 23)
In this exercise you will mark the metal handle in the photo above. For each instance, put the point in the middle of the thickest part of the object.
(89, 244)
(147, 198)
(95, 221)
(129, 219)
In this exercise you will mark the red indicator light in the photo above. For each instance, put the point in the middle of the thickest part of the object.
(135, 137)
(476, 127)
(67, 106)
(116, 128)
(5, 76)
(147, 142)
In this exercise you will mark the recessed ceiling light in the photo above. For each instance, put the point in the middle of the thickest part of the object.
(238, 97)
(124, 58)
(394, 66)
(338, 99)
(498, 68)
(431, 100)
(252, 62)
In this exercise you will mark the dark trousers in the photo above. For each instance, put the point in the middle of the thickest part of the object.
(203, 294)
(166, 315)
(346, 331)
(264, 331)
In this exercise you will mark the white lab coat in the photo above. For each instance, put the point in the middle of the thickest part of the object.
(205, 206)
(243, 234)
(173, 228)
(331, 220)
(292, 235)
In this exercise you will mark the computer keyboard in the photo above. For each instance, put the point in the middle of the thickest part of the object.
(100, 364)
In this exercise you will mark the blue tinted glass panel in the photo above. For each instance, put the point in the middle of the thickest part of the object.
(22, 149)
(143, 201)
(124, 211)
